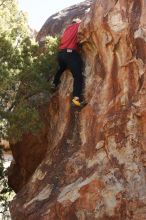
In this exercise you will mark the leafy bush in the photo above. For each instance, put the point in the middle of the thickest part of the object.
(24, 70)
(36, 67)
(5, 190)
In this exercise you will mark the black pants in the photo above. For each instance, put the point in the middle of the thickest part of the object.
(73, 62)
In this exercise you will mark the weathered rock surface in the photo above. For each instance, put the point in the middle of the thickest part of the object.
(94, 167)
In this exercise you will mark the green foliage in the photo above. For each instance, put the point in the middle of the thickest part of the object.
(26, 84)
(5, 191)
(24, 70)
(13, 22)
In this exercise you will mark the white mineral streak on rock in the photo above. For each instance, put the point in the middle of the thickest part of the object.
(80, 214)
(87, 10)
(140, 33)
(109, 198)
(115, 22)
(124, 96)
(44, 194)
(137, 104)
(123, 155)
(100, 144)
(59, 15)
(71, 192)
(98, 159)
(38, 175)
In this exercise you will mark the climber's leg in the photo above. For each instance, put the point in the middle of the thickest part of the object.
(62, 68)
(75, 66)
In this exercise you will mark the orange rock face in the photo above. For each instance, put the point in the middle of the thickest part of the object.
(94, 167)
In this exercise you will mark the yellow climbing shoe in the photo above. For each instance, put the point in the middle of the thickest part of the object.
(76, 102)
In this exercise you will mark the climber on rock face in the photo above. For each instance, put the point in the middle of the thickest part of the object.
(69, 58)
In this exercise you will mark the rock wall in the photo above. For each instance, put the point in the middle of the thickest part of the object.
(94, 167)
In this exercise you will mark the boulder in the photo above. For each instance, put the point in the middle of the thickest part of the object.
(94, 167)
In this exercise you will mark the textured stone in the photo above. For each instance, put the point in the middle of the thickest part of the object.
(94, 167)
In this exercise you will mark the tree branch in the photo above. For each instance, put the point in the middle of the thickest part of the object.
(3, 2)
